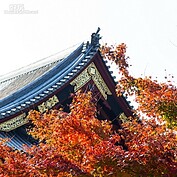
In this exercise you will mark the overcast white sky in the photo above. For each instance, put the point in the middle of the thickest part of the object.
(148, 27)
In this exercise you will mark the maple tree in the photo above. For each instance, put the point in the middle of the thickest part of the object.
(152, 141)
(79, 138)
(154, 99)
(78, 144)
(70, 144)
(12, 162)
(152, 149)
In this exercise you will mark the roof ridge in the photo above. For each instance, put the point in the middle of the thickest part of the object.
(30, 71)
(21, 71)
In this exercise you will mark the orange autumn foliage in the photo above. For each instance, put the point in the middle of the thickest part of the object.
(78, 144)
(70, 144)
(158, 100)
(78, 137)
(152, 143)
(152, 149)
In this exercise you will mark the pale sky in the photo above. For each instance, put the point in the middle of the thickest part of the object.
(45, 27)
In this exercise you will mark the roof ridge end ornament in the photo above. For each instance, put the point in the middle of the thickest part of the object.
(95, 37)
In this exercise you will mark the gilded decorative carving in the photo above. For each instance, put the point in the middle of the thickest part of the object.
(48, 104)
(99, 82)
(91, 72)
(81, 80)
(14, 123)
(123, 117)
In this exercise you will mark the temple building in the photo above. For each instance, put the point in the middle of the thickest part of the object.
(48, 84)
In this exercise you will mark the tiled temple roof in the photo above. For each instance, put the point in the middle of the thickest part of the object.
(17, 79)
(17, 138)
(28, 88)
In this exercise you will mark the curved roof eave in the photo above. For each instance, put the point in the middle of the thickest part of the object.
(52, 80)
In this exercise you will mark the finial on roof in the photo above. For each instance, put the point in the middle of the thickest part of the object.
(95, 37)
